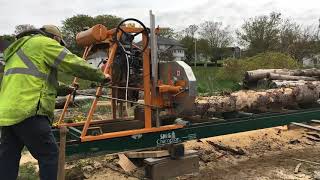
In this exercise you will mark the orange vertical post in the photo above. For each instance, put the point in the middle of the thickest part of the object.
(99, 90)
(146, 85)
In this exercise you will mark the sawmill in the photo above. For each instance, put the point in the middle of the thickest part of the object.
(163, 96)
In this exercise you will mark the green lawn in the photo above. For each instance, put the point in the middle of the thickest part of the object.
(209, 83)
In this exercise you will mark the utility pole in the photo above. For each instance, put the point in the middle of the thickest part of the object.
(195, 52)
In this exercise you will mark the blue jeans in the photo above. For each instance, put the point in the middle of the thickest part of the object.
(34, 133)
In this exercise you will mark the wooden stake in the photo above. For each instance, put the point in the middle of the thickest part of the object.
(62, 153)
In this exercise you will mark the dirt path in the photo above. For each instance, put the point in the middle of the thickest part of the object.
(276, 165)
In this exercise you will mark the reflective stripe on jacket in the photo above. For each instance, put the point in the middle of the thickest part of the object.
(30, 77)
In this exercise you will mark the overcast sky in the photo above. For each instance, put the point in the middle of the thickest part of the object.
(169, 13)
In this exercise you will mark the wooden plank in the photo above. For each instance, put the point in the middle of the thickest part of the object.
(172, 167)
(315, 121)
(104, 103)
(152, 161)
(148, 154)
(125, 163)
(306, 126)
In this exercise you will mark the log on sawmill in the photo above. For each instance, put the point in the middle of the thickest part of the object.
(249, 100)
(61, 100)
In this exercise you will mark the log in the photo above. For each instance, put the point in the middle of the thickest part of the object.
(273, 76)
(61, 100)
(255, 75)
(279, 83)
(91, 91)
(249, 100)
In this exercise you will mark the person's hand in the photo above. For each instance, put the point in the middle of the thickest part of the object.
(71, 89)
(107, 79)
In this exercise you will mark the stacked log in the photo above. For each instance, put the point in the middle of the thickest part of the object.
(268, 78)
(87, 96)
(263, 101)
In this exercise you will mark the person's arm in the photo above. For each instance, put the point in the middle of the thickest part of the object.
(63, 89)
(61, 58)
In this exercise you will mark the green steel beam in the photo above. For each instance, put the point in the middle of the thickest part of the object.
(196, 131)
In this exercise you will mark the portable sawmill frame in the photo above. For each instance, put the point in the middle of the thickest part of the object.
(82, 140)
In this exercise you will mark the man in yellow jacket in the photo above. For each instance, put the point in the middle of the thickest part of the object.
(27, 99)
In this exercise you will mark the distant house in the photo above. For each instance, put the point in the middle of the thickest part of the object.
(173, 46)
(311, 61)
(169, 49)
(96, 59)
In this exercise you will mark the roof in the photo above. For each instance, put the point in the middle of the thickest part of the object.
(177, 48)
(168, 41)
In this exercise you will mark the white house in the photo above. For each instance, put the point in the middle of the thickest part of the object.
(311, 61)
(96, 58)
(172, 45)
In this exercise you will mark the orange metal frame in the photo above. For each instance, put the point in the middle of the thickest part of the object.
(148, 101)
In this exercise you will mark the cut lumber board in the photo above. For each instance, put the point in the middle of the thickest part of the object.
(125, 163)
(148, 154)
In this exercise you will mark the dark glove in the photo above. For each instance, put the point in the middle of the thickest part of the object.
(107, 79)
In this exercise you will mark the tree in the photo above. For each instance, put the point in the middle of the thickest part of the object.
(23, 27)
(108, 21)
(203, 49)
(191, 30)
(188, 43)
(215, 34)
(167, 32)
(75, 24)
(187, 38)
(261, 33)
(9, 38)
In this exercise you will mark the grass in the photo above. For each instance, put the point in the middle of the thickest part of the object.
(209, 83)
(28, 171)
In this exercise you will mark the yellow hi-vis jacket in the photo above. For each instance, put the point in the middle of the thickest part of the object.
(30, 77)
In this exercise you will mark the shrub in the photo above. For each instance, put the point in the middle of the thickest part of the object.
(234, 69)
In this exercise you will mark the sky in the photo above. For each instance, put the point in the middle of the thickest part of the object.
(169, 13)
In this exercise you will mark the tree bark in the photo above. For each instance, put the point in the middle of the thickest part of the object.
(258, 74)
(61, 100)
(273, 76)
(249, 100)
(279, 83)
